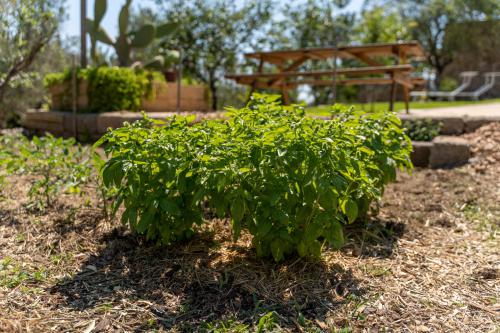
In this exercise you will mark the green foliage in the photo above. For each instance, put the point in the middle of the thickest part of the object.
(225, 326)
(381, 24)
(448, 84)
(310, 24)
(111, 88)
(57, 165)
(211, 34)
(290, 180)
(27, 26)
(422, 130)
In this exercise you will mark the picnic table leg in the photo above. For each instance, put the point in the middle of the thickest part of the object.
(393, 94)
(406, 93)
(254, 83)
(250, 93)
(286, 97)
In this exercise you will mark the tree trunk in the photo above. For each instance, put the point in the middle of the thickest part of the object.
(2, 111)
(213, 92)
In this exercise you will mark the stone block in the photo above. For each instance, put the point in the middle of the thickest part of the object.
(420, 154)
(85, 123)
(473, 123)
(449, 151)
(449, 125)
(115, 119)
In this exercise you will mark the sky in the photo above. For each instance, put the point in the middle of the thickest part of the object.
(110, 22)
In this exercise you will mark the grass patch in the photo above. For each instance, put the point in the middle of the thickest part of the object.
(323, 110)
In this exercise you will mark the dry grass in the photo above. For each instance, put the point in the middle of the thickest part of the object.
(428, 263)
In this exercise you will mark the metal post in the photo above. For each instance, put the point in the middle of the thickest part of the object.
(83, 34)
(179, 81)
(74, 96)
(334, 83)
(335, 56)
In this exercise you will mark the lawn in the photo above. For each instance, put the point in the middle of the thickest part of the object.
(322, 110)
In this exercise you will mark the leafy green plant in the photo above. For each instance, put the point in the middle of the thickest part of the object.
(58, 165)
(422, 129)
(110, 88)
(113, 88)
(290, 180)
(448, 84)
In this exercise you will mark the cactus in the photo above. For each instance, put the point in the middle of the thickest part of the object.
(126, 40)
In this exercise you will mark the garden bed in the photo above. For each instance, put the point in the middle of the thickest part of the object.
(91, 126)
(427, 263)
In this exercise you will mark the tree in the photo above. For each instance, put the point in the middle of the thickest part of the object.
(212, 34)
(381, 24)
(431, 17)
(26, 27)
(314, 23)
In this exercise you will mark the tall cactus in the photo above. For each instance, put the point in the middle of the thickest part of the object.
(126, 40)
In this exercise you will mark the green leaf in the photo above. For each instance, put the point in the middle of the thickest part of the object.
(170, 206)
(166, 29)
(144, 36)
(315, 248)
(98, 33)
(236, 226)
(237, 209)
(277, 249)
(335, 235)
(123, 18)
(146, 219)
(350, 209)
(100, 7)
(328, 200)
(263, 227)
(302, 249)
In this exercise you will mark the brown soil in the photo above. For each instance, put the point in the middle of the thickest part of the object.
(429, 262)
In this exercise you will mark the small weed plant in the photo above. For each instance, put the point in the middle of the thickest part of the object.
(422, 129)
(57, 165)
(290, 180)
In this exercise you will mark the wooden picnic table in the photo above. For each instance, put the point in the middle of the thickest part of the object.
(285, 64)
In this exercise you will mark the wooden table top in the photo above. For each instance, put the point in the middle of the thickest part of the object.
(407, 49)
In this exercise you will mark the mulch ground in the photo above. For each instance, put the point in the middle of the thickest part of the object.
(428, 262)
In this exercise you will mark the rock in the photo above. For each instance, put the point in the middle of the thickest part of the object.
(473, 123)
(115, 119)
(449, 125)
(86, 125)
(420, 154)
(449, 151)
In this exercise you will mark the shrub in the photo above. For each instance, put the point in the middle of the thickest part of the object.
(422, 130)
(290, 180)
(111, 88)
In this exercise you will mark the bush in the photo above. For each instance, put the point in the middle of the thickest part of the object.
(111, 88)
(290, 180)
(422, 130)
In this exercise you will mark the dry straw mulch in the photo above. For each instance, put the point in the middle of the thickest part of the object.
(429, 262)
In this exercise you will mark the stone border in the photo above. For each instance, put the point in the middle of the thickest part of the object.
(453, 125)
(442, 152)
(91, 126)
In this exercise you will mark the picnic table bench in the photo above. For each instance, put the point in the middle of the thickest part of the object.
(285, 64)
